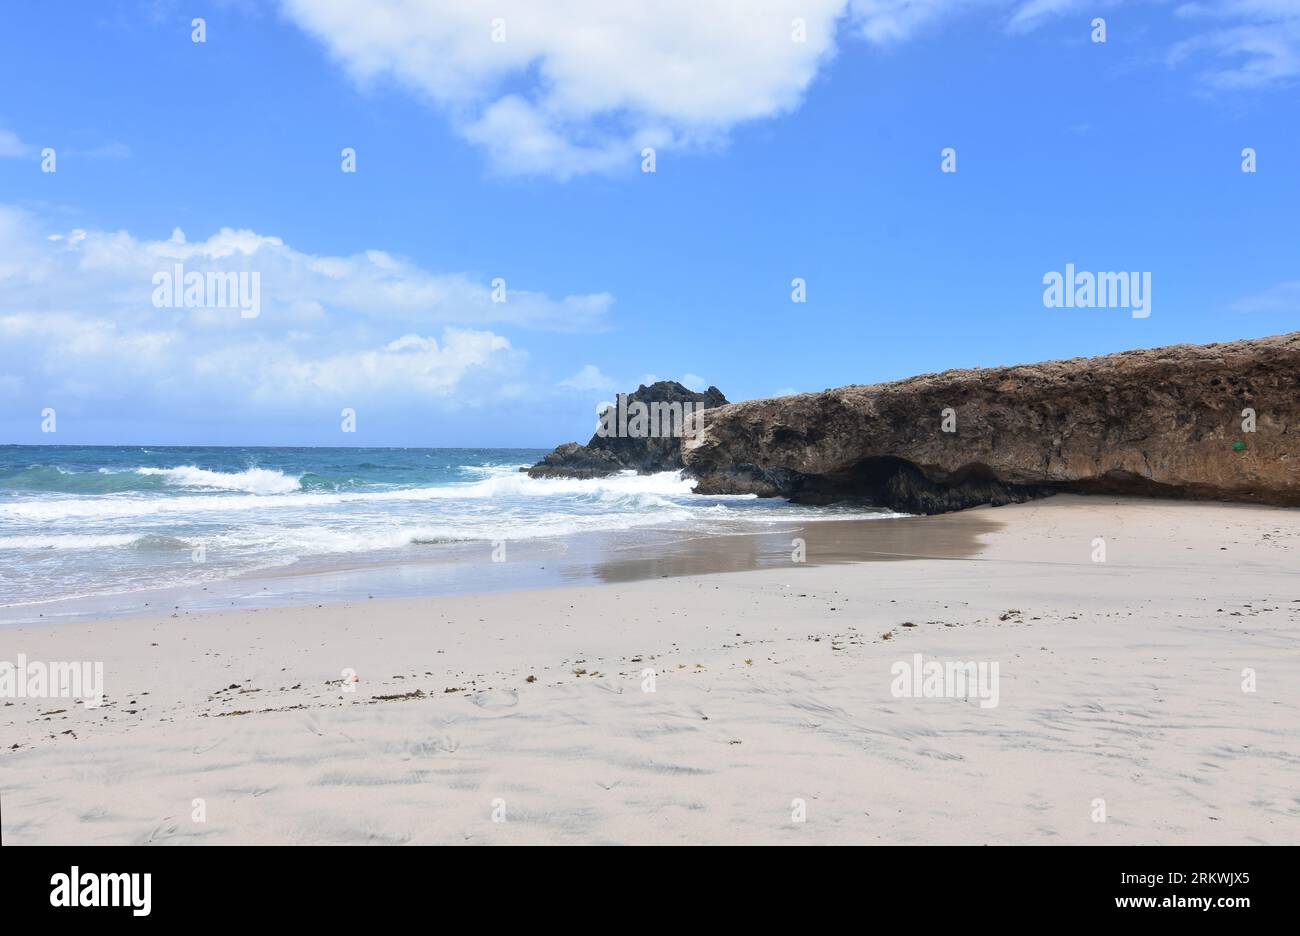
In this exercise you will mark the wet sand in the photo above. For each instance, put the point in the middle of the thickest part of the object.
(774, 715)
(584, 559)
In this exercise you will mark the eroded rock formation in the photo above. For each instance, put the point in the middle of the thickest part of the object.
(605, 455)
(1164, 422)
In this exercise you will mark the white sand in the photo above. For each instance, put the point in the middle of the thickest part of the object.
(1119, 681)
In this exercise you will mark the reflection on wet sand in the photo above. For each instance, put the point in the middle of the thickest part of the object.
(948, 536)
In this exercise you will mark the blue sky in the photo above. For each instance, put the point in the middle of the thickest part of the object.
(521, 159)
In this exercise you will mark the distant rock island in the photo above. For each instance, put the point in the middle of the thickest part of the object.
(1218, 421)
(610, 454)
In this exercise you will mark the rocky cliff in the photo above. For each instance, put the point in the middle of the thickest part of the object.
(608, 454)
(1172, 421)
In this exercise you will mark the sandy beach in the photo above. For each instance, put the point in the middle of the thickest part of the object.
(522, 717)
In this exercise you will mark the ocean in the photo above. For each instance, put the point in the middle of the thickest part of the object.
(82, 523)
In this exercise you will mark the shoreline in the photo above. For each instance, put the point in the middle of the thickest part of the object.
(1120, 681)
(468, 568)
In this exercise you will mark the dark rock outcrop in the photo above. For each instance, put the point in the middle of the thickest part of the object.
(572, 460)
(1160, 422)
(605, 455)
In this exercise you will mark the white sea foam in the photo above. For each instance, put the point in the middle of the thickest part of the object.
(251, 480)
(70, 541)
(280, 492)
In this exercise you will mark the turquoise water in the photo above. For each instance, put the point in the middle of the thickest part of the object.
(79, 522)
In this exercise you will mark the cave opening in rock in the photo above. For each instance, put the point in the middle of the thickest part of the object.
(899, 484)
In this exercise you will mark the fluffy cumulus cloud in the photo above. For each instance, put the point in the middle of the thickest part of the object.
(574, 86)
(89, 317)
(567, 87)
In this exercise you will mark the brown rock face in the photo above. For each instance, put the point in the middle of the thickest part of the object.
(1164, 422)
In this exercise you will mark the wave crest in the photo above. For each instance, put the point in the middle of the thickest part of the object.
(249, 481)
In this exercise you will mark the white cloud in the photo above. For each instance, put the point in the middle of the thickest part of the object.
(410, 367)
(1236, 44)
(1284, 297)
(78, 322)
(1033, 13)
(10, 145)
(296, 286)
(589, 378)
(886, 22)
(1255, 43)
(582, 85)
